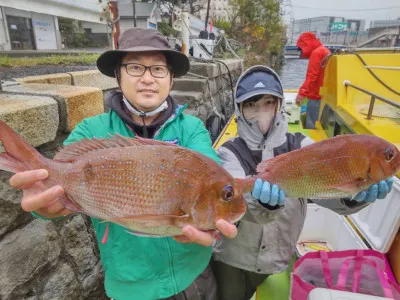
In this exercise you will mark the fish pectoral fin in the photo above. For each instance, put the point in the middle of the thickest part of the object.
(68, 203)
(349, 187)
(160, 219)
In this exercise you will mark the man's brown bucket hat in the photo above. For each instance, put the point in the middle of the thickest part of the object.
(142, 40)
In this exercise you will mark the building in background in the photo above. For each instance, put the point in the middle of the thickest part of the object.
(384, 33)
(33, 25)
(385, 23)
(219, 9)
(147, 15)
(330, 30)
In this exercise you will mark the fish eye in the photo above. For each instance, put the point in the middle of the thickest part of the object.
(389, 153)
(227, 193)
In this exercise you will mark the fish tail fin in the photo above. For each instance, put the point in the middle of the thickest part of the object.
(264, 166)
(267, 168)
(19, 156)
(8, 163)
(245, 185)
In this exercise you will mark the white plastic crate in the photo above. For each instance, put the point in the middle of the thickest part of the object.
(379, 222)
(324, 225)
(199, 52)
(292, 108)
(326, 294)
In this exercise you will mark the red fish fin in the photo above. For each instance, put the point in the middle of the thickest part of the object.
(245, 185)
(68, 203)
(349, 187)
(73, 151)
(8, 163)
(161, 219)
(20, 155)
(142, 141)
(267, 165)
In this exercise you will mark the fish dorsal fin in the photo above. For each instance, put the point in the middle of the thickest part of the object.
(70, 153)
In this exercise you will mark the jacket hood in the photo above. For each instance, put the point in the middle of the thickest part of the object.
(252, 134)
(308, 42)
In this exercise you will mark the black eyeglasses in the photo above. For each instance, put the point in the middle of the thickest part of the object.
(137, 70)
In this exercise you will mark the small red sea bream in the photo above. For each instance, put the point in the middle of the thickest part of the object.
(337, 167)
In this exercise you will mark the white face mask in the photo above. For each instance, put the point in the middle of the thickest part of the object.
(261, 112)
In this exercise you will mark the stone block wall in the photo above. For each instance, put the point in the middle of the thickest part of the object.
(46, 259)
(59, 259)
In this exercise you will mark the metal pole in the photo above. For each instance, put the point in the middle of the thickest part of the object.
(134, 12)
(390, 102)
(207, 15)
(108, 35)
(185, 33)
(113, 7)
(371, 107)
(358, 29)
(291, 41)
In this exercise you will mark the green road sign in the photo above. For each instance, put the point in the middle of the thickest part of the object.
(338, 26)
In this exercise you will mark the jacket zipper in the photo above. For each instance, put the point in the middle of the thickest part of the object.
(177, 113)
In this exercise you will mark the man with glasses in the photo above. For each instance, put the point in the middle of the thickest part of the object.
(140, 267)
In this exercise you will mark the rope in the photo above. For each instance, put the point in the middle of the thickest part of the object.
(370, 71)
(218, 61)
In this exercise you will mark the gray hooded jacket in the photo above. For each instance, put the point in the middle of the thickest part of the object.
(267, 238)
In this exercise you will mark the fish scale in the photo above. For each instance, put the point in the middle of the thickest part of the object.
(145, 187)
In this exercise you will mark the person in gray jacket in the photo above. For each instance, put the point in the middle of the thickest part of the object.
(268, 233)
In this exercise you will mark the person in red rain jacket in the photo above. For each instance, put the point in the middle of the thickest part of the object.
(312, 48)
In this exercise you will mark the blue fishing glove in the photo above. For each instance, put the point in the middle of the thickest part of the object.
(375, 191)
(267, 194)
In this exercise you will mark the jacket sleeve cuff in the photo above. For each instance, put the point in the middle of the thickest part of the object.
(36, 215)
(352, 203)
(269, 207)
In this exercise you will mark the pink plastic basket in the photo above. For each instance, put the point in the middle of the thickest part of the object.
(357, 271)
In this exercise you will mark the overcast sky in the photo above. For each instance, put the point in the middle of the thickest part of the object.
(358, 9)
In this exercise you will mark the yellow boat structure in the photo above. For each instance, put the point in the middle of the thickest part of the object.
(360, 95)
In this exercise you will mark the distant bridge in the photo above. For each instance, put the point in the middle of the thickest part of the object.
(293, 50)
(386, 37)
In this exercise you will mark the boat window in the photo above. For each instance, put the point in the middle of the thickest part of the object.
(341, 127)
(332, 124)
(328, 121)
